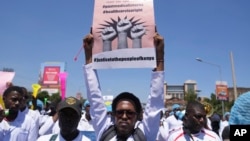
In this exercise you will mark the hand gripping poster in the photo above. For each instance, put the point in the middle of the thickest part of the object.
(123, 33)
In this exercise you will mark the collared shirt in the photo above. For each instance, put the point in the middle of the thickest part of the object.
(22, 128)
(98, 110)
(35, 115)
(203, 135)
(163, 131)
(173, 123)
(84, 124)
(47, 126)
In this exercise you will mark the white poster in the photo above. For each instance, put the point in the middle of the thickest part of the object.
(123, 34)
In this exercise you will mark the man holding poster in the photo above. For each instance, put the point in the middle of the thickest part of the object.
(123, 34)
(128, 122)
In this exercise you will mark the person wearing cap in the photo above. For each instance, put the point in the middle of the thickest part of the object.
(85, 124)
(128, 124)
(51, 126)
(170, 123)
(13, 125)
(69, 113)
(173, 121)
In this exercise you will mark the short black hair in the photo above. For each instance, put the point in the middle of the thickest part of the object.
(13, 88)
(127, 96)
(192, 104)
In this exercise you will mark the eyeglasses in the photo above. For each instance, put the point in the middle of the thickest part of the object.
(129, 114)
(200, 116)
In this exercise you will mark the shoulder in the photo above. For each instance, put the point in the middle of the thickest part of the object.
(84, 137)
(210, 133)
(26, 120)
(35, 112)
(175, 134)
(168, 119)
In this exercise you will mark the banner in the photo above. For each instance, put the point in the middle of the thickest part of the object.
(123, 34)
(63, 78)
(4, 78)
(50, 75)
(221, 90)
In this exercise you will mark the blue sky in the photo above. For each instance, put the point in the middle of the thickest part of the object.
(34, 32)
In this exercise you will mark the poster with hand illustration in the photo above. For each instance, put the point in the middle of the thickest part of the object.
(123, 33)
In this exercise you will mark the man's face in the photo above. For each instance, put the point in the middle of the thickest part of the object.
(176, 111)
(167, 113)
(25, 99)
(125, 117)
(195, 119)
(68, 120)
(13, 100)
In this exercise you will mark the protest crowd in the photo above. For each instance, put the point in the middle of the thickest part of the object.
(72, 120)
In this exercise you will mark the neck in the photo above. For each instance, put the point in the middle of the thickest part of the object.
(23, 108)
(87, 116)
(12, 116)
(122, 138)
(70, 136)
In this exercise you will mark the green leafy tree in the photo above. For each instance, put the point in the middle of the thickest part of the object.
(190, 95)
(55, 97)
(228, 105)
(42, 95)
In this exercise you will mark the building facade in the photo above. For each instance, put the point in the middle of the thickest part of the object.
(240, 90)
(174, 94)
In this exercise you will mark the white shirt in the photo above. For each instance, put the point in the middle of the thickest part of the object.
(22, 128)
(47, 126)
(209, 123)
(34, 114)
(84, 124)
(173, 123)
(98, 110)
(163, 131)
(80, 137)
(203, 135)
